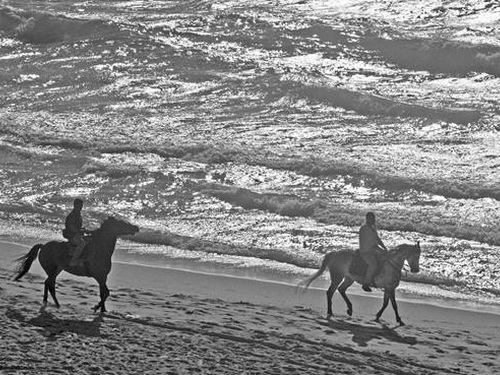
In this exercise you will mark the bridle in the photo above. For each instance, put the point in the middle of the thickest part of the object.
(394, 265)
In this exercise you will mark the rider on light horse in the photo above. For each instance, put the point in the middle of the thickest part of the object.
(370, 245)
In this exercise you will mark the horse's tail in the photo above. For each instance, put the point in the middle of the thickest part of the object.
(26, 261)
(324, 264)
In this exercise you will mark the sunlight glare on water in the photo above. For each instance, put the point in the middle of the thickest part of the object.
(255, 135)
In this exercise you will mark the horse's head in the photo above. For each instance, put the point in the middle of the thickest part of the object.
(414, 258)
(118, 227)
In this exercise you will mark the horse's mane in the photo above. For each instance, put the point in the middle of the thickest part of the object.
(106, 221)
(110, 219)
(112, 223)
(402, 247)
(105, 224)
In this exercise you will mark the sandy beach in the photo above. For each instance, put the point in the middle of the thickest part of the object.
(167, 321)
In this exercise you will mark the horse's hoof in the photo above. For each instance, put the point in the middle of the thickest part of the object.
(401, 324)
(349, 312)
(377, 319)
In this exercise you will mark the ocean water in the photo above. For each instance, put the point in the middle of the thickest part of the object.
(251, 137)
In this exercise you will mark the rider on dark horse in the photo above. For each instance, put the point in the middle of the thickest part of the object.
(74, 231)
(370, 245)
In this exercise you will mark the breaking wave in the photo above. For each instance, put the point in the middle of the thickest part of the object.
(363, 103)
(45, 28)
(438, 56)
(286, 205)
(212, 247)
(369, 104)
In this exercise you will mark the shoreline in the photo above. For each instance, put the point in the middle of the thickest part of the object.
(312, 298)
(355, 290)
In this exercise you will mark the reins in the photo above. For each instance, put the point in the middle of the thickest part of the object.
(392, 263)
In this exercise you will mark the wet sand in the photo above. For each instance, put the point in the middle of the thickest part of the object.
(167, 321)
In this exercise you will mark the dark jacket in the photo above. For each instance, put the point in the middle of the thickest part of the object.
(369, 241)
(73, 225)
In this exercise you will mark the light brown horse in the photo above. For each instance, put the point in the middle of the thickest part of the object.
(341, 277)
(55, 257)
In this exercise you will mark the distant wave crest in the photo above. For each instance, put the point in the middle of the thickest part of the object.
(44, 28)
(450, 57)
(287, 205)
(368, 104)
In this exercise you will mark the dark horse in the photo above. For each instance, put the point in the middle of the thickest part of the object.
(342, 277)
(55, 257)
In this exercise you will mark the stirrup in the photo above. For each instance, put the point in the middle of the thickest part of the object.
(366, 288)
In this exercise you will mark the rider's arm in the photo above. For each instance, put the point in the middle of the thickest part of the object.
(380, 243)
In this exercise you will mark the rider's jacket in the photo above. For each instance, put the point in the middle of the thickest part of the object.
(368, 239)
(73, 225)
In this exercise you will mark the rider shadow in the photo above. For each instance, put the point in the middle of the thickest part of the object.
(362, 335)
(54, 326)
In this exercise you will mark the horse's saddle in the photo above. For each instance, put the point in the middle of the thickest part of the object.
(86, 249)
(358, 266)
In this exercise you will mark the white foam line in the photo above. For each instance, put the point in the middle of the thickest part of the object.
(425, 301)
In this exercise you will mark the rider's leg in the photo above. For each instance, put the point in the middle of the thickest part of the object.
(371, 261)
(79, 241)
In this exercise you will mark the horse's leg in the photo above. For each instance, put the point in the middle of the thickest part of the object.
(342, 290)
(50, 284)
(386, 302)
(45, 293)
(395, 307)
(334, 283)
(103, 292)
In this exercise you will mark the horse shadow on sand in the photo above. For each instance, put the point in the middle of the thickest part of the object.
(54, 326)
(363, 334)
